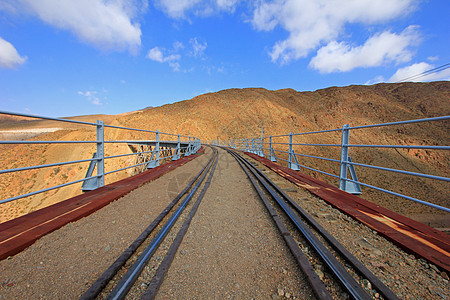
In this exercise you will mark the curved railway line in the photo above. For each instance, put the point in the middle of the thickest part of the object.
(307, 240)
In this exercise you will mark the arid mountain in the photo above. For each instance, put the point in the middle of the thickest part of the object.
(240, 113)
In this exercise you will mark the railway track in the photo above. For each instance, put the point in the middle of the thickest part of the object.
(298, 228)
(114, 283)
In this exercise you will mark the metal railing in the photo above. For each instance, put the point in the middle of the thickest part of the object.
(346, 165)
(173, 150)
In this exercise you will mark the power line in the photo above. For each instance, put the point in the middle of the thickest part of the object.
(428, 72)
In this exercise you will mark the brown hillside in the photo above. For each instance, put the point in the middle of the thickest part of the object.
(239, 113)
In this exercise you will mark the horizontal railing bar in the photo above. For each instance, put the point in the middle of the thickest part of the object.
(402, 146)
(304, 133)
(145, 130)
(368, 126)
(140, 164)
(47, 142)
(312, 169)
(323, 145)
(46, 190)
(402, 122)
(129, 154)
(297, 144)
(145, 142)
(46, 166)
(274, 136)
(400, 171)
(320, 131)
(127, 128)
(122, 169)
(276, 150)
(46, 118)
(318, 157)
(400, 195)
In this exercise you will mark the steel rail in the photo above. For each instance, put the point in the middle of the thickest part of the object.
(359, 267)
(127, 281)
(161, 272)
(346, 280)
(317, 285)
(96, 288)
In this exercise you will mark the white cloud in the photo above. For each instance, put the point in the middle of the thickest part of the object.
(198, 48)
(409, 73)
(107, 25)
(177, 45)
(156, 54)
(382, 48)
(91, 96)
(376, 80)
(9, 57)
(178, 9)
(311, 23)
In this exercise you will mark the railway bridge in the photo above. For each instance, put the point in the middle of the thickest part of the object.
(219, 221)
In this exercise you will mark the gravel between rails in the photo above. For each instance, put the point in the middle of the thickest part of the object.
(63, 264)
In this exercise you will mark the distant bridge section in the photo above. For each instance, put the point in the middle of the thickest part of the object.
(149, 153)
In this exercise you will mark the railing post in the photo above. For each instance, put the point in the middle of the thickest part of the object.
(188, 149)
(100, 153)
(350, 187)
(272, 155)
(344, 157)
(157, 148)
(293, 164)
(176, 156)
(261, 145)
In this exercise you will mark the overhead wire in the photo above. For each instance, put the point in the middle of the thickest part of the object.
(426, 73)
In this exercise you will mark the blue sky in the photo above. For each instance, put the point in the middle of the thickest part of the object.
(64, 57)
